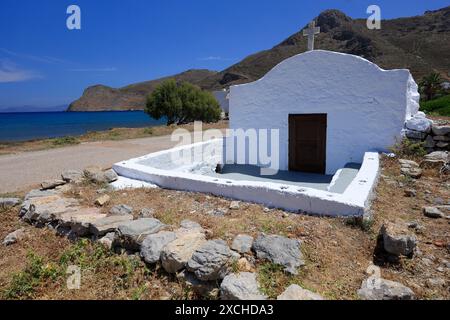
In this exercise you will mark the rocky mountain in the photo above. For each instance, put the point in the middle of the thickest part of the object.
(132, 97)
(421, 44)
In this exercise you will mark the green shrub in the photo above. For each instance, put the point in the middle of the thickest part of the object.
(440, 106)
(408, 148)
(24, 283)
(182, 103)
(65, 141)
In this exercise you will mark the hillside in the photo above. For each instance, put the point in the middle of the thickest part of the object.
(419, 43)
(132, 97)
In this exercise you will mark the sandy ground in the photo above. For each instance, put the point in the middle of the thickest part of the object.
(24, 170)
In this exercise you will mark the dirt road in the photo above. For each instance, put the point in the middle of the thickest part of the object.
(24, 170)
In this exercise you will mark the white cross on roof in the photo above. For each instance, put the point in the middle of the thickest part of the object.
(310, 33)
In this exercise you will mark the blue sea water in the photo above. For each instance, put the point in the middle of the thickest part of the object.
(39, 125)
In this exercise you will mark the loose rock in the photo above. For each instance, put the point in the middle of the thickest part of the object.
(415, 173)
(441, 130)
(108, 240)
(433, 213)
(102, 200)
(207, 289)
(235, 205)
(191, 225)
(295, 292)
(106, 225)
(131, 234)
(381, 289)
(14, 237)
(7, 203)
(242, 286)
(72, 176)
(153, 245)
(176, 254)
(211, 261)
(242, 243)
(121, 210)
(52, 184)
(146, 213)
(397, 240)
(279, 250)
(418, 123)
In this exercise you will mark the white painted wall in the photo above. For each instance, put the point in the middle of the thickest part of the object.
(366, 105)
(221, 97)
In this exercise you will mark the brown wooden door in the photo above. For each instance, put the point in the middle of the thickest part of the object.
(308, 143)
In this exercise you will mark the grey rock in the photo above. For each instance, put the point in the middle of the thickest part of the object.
(442, 145)
(439, 130)
(242, 286)
(207, 289)
(9, 202)
(52, 184)
(381, 289)
(437, 156)
(191, 225)
(106, 225)
(97, 175)
(131, 234)
(108, 240)
(404, 163)
(242, 243)
(153, 245)
(176, 254)
(77, 223)
(420, 124)
(441, 138)
(211, 261)
(14, 237)
(432, 212)
(279, 250)
(52, 206)
(415, 173)
(146, 213)
(121, 210)
(72, 176)
(429, 142)
(220, 212)
(111, 175)
(435, 283)
(412, 134)
(397, 240)
(39, 194)
(235, 205)
(295, 292)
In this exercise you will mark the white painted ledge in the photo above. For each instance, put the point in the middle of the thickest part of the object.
(355, 201)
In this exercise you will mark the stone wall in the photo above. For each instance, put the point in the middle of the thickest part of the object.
(434, 134)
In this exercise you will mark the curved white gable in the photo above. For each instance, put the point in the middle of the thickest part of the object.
(366, 105)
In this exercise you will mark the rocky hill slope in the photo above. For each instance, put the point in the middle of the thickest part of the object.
(132, 97)
(420, 43)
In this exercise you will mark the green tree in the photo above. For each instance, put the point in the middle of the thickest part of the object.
(182, 103)
(430, 85)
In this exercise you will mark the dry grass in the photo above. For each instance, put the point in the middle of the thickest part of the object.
(337, 252)
(108, 135)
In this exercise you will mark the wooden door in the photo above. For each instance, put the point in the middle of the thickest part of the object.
(308, 143)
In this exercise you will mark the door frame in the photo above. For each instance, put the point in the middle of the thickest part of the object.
(291, 118)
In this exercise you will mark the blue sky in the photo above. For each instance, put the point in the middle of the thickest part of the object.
(42, 63)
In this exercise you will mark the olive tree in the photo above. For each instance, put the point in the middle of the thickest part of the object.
(182, 103)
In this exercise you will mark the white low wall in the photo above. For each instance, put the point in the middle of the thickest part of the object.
(353, 202)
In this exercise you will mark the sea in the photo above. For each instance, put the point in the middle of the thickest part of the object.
(16, 127)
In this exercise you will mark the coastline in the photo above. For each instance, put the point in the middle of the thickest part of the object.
(113, 134)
